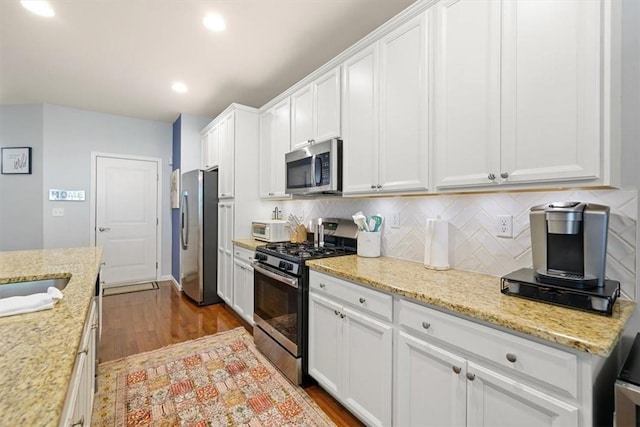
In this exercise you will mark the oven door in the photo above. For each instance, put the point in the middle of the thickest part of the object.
(277, 306)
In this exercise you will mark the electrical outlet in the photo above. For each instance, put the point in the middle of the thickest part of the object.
(505, 226)
(395, 220)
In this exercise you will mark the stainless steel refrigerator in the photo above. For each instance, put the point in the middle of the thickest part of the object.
(199, 236)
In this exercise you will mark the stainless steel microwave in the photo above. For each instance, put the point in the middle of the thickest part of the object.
(315, 169)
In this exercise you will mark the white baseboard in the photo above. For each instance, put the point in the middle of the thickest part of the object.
(171, 279)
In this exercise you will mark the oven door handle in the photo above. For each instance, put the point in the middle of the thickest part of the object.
(274, 275)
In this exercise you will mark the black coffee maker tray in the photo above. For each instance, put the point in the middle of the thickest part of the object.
(522, 283)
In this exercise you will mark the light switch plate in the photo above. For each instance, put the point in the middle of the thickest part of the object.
(395, 220)
(57, 212)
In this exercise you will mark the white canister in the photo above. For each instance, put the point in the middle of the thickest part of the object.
(369, 243)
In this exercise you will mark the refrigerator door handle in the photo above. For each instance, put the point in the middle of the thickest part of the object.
(184, 214)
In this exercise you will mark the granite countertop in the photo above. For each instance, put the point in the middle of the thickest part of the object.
(478, 296)
(250, 244)
(38, 350)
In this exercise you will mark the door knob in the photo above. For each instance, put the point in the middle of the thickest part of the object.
(104, 229)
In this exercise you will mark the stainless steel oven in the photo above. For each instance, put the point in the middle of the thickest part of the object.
(278, 318)
(281, 294)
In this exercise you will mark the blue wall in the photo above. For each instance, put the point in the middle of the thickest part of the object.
(175, 213)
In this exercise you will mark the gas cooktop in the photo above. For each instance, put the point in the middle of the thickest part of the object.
(304, 251)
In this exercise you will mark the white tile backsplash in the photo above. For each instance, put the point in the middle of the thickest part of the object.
(473, 243)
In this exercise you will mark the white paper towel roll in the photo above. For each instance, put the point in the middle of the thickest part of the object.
(436, 244)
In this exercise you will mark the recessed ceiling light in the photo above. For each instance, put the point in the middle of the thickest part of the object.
(39, 7)
(214, 22)
(179, 87)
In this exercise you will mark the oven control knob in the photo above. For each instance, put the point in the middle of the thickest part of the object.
(288, 266)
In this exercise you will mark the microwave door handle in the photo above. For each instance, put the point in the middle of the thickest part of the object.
(318, 170)
(313, 170)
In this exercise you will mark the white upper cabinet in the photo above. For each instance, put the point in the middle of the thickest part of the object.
(210, 153)
(551, 90)
(227, 142)
(315, 110)
(518, 89)
(467, 92)
(275, 142)
(385, 113)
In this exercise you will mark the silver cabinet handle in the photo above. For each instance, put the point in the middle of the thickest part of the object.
(373, 186)
(512, 357)
(104, 229)
(322, 286)
(362, 300)
(471, 376)
(378, 186)
(342, 315)
(336, 312)
(504, 175)
(426, 325)
(456, 369)
(491, 176)
(271, 194)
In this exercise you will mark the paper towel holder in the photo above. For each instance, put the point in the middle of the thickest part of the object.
(436, 248)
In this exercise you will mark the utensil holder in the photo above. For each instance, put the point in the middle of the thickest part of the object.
(369, 244)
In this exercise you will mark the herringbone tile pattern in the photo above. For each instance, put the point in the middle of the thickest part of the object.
(473, 245)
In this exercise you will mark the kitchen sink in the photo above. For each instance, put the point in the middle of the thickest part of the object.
(31, 287)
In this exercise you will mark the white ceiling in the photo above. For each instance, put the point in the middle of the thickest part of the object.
(121, 56)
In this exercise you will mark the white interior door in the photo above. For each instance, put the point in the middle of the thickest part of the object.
(127, 218)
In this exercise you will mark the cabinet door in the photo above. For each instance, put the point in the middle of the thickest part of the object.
(239, 286)
(226, 131)
(225, 252)
(204, 151)
(403, 108)
(266, 153)
(467, 92)
(360, 122)
(431, 386)
(213, 140)
(302, 117)
(326, 107)
(325, 343)
(494, 399)
(551, 74)
(367, 367)
(281, 146)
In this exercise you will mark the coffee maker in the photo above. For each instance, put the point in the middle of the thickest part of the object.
(569, 243)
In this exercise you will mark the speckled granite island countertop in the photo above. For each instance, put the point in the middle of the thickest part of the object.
(38, 350)
(250, 244)
(478, 296)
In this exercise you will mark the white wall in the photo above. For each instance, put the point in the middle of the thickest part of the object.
(190, 147)
(21, 196)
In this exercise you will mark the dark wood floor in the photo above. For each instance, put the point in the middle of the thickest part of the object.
(143, 321)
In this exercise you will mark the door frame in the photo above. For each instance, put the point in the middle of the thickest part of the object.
(94, 200)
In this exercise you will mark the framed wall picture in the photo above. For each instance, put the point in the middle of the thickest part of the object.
(16, 160)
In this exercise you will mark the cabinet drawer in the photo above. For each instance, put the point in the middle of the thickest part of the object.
(243, 254)
(367, 300)
(544, 363)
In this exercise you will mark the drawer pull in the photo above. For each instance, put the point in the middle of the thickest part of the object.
(322, 286)
(471, 376)
(362, 300)
(511, 357)
(342, 315)
(336, 312)
(426, 325)
(457, 369)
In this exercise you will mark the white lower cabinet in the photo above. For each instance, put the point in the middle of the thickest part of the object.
(225, 252)
(79, 404)
(350, 348)
(448, 372)
(243, 283)
(392, 361)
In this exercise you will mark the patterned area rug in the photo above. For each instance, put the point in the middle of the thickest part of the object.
(218, 380)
